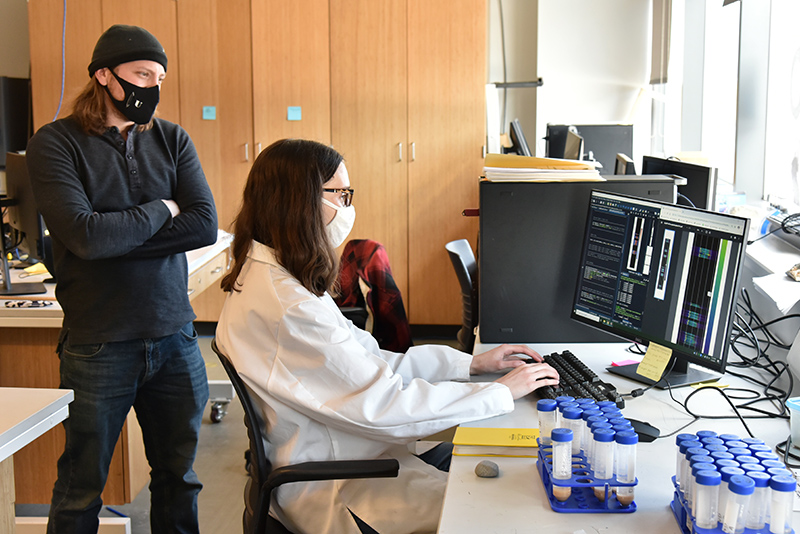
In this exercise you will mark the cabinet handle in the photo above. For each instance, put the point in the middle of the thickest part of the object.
(189, 292)
(399, 151)
(258, 149)
(483, 151)
(247, 151)
(413, 151)
(217, 270)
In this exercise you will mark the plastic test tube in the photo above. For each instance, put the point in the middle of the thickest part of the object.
(562, 461)
(759, 501)
(625, 464)
(686, 475)
(706, 434)
(586, 434)
(701, 465)
(766, 455)
(603, 459)
(571, 418)
(594, 426)
(560, 415)
(547, 419)
(724, 492)
(781, 504)
(740, 488)
(681, 462)
(729, 437)
(705, 503)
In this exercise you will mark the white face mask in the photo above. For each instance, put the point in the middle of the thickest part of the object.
(341, 225)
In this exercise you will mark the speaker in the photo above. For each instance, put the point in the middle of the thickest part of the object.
(16, 120)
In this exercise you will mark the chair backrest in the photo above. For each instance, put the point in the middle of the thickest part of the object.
(256, 514)
(466, 268)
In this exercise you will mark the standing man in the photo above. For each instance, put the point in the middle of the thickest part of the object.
(124, 196)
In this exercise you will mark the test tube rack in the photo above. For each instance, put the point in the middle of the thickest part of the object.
(680, 510)
(582, 498)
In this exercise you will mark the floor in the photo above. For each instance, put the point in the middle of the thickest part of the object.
(219, 465)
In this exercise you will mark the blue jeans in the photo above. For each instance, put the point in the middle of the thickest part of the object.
(164, 380)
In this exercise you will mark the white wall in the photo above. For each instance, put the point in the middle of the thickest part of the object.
(594, 58)
(15, 59)
(520, 21)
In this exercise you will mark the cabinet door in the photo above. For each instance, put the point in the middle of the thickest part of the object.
(216, 108)
(291, 68)
(446, 78)
(369, 120)
(83, 26)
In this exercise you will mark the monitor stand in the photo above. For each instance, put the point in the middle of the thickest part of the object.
(680, 375)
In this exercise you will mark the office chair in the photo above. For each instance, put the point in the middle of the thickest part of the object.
(264, 479)
(466, 269)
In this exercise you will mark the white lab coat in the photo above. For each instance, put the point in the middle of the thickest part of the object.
(328, 392)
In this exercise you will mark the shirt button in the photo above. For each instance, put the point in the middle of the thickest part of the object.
(129, 156)
(133, 171)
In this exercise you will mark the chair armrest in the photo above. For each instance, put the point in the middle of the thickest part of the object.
(332, 470)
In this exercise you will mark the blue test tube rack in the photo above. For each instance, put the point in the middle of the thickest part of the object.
(582, 498)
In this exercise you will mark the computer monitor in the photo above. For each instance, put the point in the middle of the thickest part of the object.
(529, 258)
(624, 165)
(601, 142)
(573, 149)
(23, 216)
(519, 144)
(653, 272)
(701, 181)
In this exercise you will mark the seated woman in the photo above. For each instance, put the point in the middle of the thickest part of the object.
(326, 390)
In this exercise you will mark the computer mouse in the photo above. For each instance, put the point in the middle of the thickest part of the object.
(646, 431)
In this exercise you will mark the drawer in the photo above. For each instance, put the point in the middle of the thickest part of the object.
(208, 274)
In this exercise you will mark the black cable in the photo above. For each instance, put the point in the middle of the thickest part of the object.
(784, 448)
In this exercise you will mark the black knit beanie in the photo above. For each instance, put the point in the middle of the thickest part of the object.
(121, 43)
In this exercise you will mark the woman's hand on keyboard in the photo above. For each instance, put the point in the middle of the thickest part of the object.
(502, 358)
(529, 377)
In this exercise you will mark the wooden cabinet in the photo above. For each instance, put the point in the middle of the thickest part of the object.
(396, 87)
(446, 124)
(369, 96)
(407, 83)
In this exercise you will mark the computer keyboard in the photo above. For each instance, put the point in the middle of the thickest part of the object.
(577, 380)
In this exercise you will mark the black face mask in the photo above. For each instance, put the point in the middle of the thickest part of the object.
(139, 103)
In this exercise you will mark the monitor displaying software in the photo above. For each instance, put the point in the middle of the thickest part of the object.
(655, 272)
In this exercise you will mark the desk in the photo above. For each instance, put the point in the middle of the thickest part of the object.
(27, 414)
(28, 338)
(515, 502)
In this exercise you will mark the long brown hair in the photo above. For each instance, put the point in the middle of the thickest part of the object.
(89, 109)
(282, 209)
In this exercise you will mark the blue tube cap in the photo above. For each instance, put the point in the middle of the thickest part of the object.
(546, 405)
(627, 437)
(603, 435)
(561, 434)
(760, 478)
(707, 477)
(741, 485)
(728, 472)
(783, 483)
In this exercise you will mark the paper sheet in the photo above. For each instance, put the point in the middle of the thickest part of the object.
(784, 291)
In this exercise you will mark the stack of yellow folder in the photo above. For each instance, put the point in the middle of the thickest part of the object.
(480, 441)
(513, 168)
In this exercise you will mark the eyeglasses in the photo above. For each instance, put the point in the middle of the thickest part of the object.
(346, 195)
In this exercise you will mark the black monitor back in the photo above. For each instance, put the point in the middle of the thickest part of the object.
(605, 141)
(529, 251)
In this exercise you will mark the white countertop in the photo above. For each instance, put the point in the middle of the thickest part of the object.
(28, 413)
(51, 316)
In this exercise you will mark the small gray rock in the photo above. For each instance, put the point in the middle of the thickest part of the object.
(487, 469)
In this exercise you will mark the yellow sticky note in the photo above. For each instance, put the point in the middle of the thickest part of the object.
(654, 362)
